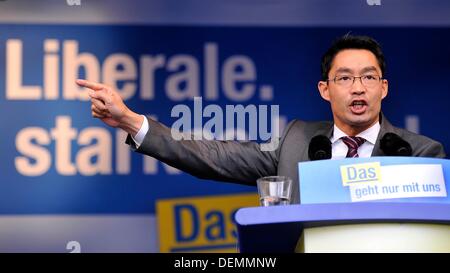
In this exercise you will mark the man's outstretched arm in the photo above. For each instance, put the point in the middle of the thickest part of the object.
(233, 161)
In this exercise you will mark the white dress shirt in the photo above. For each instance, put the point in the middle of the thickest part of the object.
(139, 137)
(338, 147)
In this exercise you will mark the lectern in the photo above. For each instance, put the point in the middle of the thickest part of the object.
(378, 204)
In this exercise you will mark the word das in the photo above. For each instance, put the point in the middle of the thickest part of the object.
(360, 173)
(212, 226)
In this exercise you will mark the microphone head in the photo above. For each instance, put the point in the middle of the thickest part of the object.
(319, 148)
(393, 145)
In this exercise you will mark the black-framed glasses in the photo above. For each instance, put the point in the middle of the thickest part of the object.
(366, 80)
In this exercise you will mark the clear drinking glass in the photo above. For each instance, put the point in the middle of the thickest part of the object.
(274, 190)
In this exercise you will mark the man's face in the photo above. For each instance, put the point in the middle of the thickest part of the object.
(355, 105)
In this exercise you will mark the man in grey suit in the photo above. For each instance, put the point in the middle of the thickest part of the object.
(352, 81)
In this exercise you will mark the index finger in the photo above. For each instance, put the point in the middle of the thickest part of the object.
(91, 85)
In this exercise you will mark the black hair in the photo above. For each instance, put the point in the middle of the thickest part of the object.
(352, 42)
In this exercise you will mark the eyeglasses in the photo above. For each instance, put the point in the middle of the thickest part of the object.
(366, 80)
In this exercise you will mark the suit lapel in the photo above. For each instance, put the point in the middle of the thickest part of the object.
(385, 127)
(326, 130)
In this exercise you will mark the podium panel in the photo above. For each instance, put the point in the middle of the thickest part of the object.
(379, 237)
(277, 229)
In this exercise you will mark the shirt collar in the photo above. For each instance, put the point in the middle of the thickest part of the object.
(370, 134)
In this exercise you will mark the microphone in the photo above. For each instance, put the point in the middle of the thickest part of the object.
(393, 145)
(319, 148)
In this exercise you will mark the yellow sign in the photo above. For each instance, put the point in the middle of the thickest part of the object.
(361, 173)
(200, 224)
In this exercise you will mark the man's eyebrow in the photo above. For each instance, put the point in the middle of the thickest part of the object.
(368, 69)
(362, 71)
(343, 70)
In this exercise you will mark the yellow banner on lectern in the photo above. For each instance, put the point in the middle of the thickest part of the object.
(200, 224)
(369, 172)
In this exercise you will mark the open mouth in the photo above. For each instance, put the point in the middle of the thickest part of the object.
(358, 106)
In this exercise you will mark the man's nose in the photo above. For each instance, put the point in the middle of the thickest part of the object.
(357, 86)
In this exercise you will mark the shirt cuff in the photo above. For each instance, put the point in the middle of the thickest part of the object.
(139, 137)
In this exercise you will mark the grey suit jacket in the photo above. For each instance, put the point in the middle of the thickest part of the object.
(244, 162)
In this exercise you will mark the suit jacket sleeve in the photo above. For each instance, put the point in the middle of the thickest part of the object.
(241, 162)
(430, 149)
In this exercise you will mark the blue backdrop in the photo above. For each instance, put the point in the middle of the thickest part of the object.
(285, 58)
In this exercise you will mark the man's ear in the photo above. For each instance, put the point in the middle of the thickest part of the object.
(384, 88)
(323, 90)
